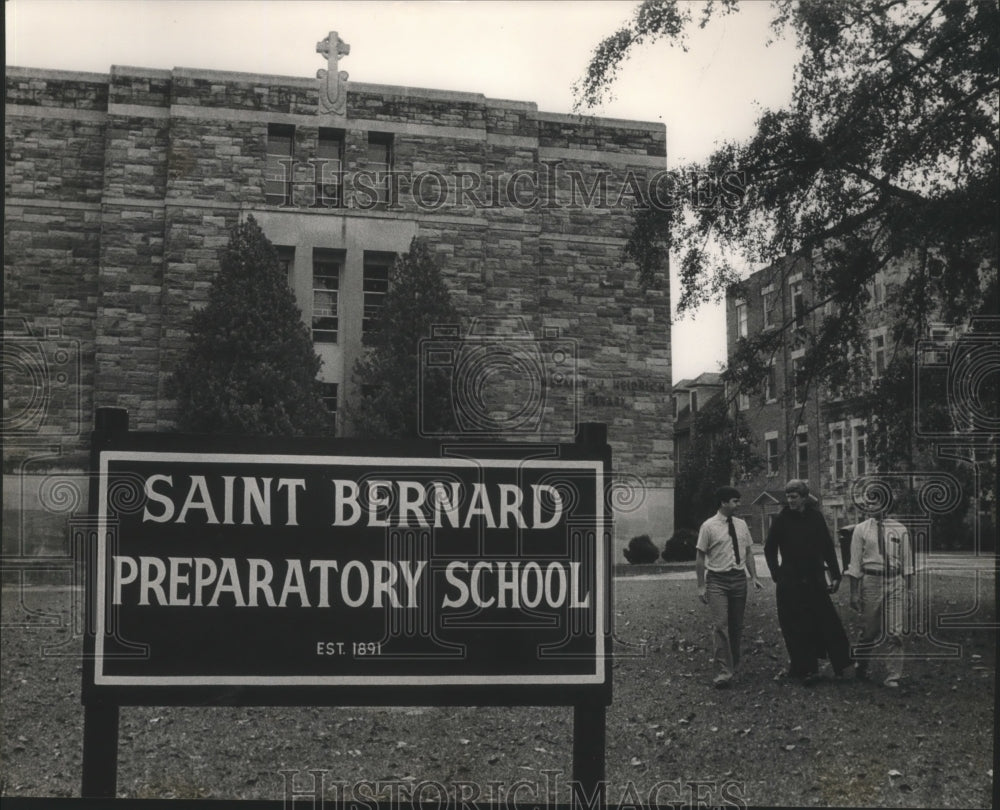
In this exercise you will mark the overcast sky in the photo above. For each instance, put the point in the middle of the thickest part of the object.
(524, 50)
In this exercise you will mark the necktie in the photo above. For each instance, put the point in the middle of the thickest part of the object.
(732, 536)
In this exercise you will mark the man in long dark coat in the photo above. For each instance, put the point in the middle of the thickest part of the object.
(797, 548)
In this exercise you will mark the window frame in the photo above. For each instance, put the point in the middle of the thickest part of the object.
(328, 179)
(383, 189)
(370, 309)
(802, 453)
(275, 159)
(772, 469)
(336, 258)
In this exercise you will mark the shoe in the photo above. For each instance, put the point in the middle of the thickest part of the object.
(722, 681)
(892, 683)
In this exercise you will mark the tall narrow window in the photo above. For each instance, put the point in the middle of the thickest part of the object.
(768, 297)
(330, 168)
(771, 452)
(860, 460)
(771, 385)
(327, 265)
(798, 381)
(742, 402)
(694, 402)
(379, 161)
(278, 169)
(878, 356)
(742, 323)
(376, 285)
(286, 260)
(330, 398)
(837, 451)
(802, 455)
(798, 304)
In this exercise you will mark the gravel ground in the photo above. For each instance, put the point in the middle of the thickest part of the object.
(767, 742)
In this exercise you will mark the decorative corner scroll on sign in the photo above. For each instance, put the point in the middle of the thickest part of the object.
(332, 83)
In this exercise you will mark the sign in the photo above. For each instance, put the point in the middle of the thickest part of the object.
(220, 569)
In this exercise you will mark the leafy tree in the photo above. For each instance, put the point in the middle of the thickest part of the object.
(886, 154)
(401, 398)
(251, 367)
(721, 451)
(885, 159)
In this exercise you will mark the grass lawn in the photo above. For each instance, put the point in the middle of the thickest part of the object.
(765, 742)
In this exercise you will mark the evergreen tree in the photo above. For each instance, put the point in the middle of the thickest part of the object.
(251, 367)
(401, 398)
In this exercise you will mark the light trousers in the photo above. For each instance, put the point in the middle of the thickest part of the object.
(727, 601)
(883, 600)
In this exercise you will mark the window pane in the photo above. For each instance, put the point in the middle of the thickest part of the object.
(278, 168)
(376, 285)
(330, 397)
(798, 304)
(378, 161)
(326, 291)
(286, 259)
(330, 167)
(798, 381)
(768, 309)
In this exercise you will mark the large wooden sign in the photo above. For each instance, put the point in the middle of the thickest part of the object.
(292, 573)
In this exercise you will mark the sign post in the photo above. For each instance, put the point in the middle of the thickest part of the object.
(346, 572)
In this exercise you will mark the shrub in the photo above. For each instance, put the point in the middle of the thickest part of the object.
(680, 547)
(641, 550)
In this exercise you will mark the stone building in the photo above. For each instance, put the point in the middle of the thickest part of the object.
(121, 189)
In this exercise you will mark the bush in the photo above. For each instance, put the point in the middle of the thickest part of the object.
(641, 550)
(680, 547)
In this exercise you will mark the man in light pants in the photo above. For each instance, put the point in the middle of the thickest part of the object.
(881, 572)
(724, 549)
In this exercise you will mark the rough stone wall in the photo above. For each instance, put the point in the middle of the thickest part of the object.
(160, 164)
(54, 166)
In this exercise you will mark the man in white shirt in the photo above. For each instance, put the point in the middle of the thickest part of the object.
(881, 572)
(724, 550)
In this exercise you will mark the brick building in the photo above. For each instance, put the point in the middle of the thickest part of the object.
(808, 432)
(784, 419)
(689, 397)
(121, 188)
